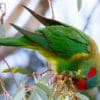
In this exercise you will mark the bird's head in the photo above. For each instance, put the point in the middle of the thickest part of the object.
(87, 82)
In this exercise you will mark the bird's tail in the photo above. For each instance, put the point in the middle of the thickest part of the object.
(14, 41)
(29, 40)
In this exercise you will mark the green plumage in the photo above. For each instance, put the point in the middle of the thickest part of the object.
(61, 41)
(65, 47)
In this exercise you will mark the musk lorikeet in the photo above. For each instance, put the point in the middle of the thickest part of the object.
(65, 47)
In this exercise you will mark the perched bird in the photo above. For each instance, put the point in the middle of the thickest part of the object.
(65, 47)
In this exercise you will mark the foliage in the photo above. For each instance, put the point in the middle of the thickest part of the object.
(44, 87)
(42, 91)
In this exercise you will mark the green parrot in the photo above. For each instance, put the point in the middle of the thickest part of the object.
(65, 47)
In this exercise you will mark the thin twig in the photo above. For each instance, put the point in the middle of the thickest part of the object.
(3, 11)
(91, 14)
(4, 89)
(51, 8)
(11, 72)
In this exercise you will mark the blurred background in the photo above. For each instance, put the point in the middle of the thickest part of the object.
(86, 18)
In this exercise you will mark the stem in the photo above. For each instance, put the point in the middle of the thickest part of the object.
(48, 70)
(91, 14)
(4, 89)
(11, 72)
(2, 12)
(51, 8)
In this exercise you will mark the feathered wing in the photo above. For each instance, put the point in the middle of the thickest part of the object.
(61, 39)
(64, 41)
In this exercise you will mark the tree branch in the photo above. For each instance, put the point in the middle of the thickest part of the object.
(91, 14)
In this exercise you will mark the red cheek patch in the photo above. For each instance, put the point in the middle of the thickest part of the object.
(92, 72)
(82, 84)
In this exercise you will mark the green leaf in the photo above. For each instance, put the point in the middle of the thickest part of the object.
(79, 3)
(38, 94)
(45, 79)
(82, 97)
(47, 90)
(34, 96)
(17, 70)
(20, 92)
